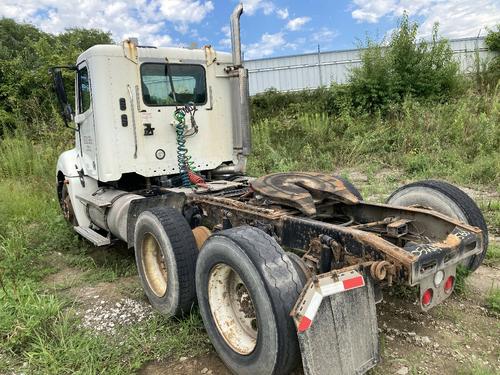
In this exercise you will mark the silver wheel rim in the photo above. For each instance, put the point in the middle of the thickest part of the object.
(232, 309)
(153, 264)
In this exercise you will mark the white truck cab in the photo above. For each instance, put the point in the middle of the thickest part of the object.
(126, 134)
(125, 99)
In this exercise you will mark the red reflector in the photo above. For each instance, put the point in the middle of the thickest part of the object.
(354, 282)
(305, 323)
(427, 297)
(448, 285)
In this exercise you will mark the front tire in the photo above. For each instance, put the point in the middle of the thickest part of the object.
(246, 287)
(165, 253)
(66, 205)
(448, 200)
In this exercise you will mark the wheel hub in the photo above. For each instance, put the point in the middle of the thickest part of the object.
(153, 263)
(233, 309)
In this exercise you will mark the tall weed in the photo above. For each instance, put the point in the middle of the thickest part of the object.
(25, 156)
(459, 140)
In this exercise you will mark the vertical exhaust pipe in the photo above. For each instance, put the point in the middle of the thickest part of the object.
(242, 144)
(244, 118)
(235, 34)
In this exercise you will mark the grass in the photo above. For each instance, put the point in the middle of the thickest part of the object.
(39, 330)
(68, 349)
(493, 300)
(459, 140)
(461, 276)
(476, 369)
(104, 265)
(490, 208)
(493, 254)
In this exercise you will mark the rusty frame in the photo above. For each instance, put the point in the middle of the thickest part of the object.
(409, 265)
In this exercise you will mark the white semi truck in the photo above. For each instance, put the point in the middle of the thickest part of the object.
(283, 267)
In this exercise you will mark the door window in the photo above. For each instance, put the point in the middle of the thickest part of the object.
(83, 90)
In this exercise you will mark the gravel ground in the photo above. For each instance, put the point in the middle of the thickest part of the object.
(106, 317)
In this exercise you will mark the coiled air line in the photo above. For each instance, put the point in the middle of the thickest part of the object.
(186, 165)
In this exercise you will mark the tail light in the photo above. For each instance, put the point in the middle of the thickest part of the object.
(427, 297)
(448, 285)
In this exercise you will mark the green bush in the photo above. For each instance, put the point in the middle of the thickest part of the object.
(493, 69)
(406, 67)
(459, 140)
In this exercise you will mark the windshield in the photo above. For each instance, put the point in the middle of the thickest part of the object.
(173, 84)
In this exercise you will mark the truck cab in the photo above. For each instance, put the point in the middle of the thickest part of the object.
(126, 135)
(125, 99)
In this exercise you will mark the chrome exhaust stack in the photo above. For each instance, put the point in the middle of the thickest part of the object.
(242, 143)
(235, 35)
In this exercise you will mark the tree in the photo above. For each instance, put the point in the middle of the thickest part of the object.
(26, 54)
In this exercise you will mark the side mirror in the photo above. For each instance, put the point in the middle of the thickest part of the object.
(66, 110)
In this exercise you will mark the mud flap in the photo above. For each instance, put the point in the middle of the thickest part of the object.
(343, 339)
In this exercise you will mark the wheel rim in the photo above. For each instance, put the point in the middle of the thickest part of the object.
(153, 264)
(232, 309)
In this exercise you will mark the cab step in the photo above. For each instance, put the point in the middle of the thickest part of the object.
(94, 200)
(92, 236)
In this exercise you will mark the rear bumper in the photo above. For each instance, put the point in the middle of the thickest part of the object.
(459, 245)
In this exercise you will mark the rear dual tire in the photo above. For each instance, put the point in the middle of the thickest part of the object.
(246, 287)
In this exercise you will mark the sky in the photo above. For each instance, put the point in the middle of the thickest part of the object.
(268, 27)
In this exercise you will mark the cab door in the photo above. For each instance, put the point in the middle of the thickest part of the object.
(84, 120)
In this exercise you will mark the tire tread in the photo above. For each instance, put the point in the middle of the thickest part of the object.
(185, 251)
(278, 272)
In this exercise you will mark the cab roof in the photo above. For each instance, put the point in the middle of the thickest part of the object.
(174, 53)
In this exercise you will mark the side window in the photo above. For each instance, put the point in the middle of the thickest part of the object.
(83, 90)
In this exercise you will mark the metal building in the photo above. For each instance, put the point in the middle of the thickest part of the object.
(312, 70)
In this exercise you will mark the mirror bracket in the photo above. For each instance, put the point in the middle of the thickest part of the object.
(66, 110)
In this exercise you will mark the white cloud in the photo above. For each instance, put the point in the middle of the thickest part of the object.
(459, 19)
(226, 30)
(282, 13)
(456, 18)
(297, 23)
(185, 11)
(268, 44)
(163, 40)
(145, 19)
(372, 11)
(324, 35)
(226, 42)
(250, 7)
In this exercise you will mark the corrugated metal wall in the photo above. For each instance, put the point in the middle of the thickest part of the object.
(299, 72)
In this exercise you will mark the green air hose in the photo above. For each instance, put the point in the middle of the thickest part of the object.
(186, 165)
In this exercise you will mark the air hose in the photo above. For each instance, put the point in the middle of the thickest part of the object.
(186, 165)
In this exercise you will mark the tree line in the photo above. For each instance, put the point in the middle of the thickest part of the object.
(26, 54)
